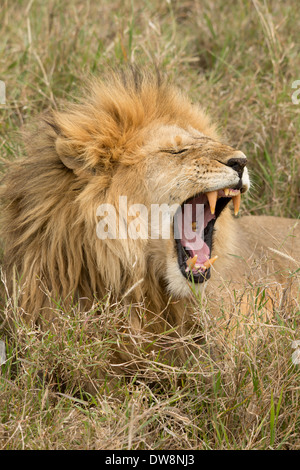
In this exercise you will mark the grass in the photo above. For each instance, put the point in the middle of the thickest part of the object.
(239, 60)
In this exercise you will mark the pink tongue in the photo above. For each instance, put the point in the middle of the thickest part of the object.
(194, 241)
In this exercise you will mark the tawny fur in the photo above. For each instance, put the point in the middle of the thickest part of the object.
(118, 141)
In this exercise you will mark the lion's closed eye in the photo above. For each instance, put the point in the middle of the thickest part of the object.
(174, 152)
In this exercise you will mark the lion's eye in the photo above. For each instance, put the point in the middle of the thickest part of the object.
(174, 152)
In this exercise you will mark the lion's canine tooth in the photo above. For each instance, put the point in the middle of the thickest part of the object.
(212, 197)
(191, 262)
(210, 262)
(236, 203)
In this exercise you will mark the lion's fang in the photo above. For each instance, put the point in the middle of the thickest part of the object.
(212, 197)
(236, 203)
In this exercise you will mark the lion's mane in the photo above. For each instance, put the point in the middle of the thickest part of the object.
(50, 197)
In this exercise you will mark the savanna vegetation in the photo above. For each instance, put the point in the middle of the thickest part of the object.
(238, 59)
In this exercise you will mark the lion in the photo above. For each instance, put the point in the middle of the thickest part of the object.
(134, 135)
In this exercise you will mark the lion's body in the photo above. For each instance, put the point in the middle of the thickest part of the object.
(93, 153)
(266, 256)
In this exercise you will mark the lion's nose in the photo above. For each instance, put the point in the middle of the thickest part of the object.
(238, 163)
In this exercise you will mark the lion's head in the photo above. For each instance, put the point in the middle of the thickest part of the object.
(135, 142)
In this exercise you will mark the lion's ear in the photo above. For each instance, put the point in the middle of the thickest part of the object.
(67, 154)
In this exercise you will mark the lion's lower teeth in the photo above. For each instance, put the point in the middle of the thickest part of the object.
(210, 262)
(192, 263)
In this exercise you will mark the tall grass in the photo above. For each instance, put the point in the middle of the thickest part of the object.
(238, 59)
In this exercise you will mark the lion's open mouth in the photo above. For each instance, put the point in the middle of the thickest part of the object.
(194, 231)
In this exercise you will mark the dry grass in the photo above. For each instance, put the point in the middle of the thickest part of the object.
(239, 60)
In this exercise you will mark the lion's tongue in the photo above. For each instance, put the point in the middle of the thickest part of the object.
(195, 211)
(196, 245)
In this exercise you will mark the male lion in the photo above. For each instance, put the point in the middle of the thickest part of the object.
(137, 136)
